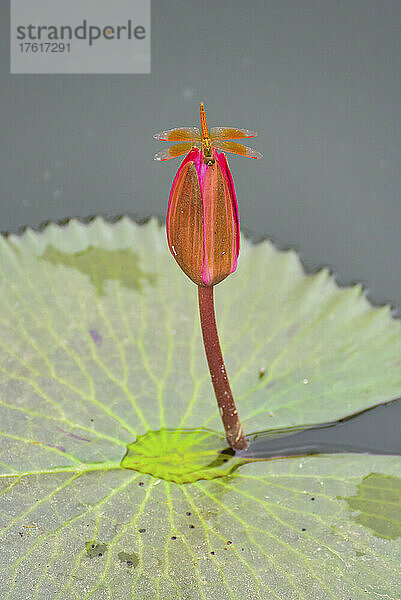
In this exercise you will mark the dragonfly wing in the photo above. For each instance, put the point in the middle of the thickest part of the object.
(231, 133)
(236, 148)
(175, 150)
(179, 134)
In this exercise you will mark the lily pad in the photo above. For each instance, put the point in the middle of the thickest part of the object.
(115, 481)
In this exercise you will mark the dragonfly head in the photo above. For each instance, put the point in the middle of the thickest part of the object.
(207, 151)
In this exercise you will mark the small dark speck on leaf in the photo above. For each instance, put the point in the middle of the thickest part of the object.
(96, 337)
(92, 420)
(228, 542)
(262, 372)
(141, 484)
(192, 526)
(95, 549)
(141, 530)
(173, 537)
(212, 553)
(188, 514)
(130, 559)
(312, 498)
(303, 529)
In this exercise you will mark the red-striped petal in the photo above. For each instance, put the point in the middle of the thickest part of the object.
(202, 219)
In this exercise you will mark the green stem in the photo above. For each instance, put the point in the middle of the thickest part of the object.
(229, 414)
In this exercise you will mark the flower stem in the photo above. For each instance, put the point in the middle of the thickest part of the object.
(229, 414)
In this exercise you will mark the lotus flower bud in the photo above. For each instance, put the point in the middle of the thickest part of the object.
(202, 218)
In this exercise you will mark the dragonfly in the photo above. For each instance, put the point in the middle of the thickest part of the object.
(205, 139)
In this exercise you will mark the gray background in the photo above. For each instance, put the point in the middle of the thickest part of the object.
(319, 79)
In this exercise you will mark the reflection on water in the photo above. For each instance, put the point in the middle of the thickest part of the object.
(327, 438)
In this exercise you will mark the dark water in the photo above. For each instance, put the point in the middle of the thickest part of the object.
(350, 434)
